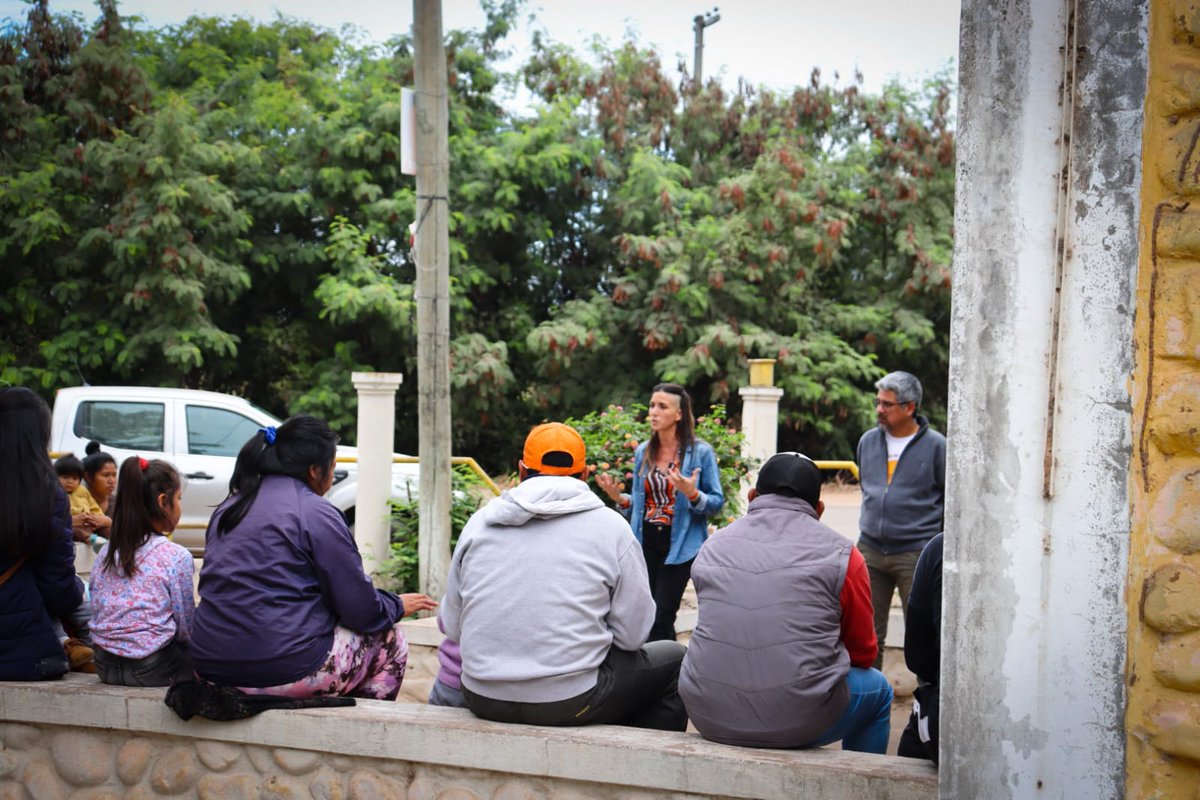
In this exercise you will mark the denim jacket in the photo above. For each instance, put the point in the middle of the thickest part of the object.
(690, 526)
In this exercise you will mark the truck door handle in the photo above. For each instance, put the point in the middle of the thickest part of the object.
(198, 476)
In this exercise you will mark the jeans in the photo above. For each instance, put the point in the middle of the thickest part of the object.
(639, 689)
(887, 574)
(667, 581)
(443, 695)
(866, 722)
(77, 624)
(171, 663)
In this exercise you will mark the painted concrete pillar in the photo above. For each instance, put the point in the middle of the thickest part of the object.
(1037, 509)
(376, 435)
(760, 420)
(1163, 677)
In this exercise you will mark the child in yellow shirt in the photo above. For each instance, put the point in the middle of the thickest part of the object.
(86, 515)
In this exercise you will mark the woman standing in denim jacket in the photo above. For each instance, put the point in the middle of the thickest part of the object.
(676, 488)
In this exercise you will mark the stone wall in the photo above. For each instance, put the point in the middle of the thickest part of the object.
(1163, 678)
(77, 739)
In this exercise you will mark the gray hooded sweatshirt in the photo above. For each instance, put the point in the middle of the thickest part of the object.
(544, 580)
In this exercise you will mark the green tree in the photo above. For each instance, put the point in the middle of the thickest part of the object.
(219, 204)
(811, 227)
(116, 231)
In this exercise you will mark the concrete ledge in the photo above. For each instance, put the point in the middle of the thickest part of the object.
(453, 738)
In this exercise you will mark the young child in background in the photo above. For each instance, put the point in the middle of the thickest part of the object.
(447, 688)
(86, 515)
(142, 583)
(73, 630)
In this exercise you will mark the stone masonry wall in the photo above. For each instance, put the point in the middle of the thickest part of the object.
(77, 739)
(1163, 717)
(39, 763)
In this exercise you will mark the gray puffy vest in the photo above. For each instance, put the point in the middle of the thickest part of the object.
(766, 666)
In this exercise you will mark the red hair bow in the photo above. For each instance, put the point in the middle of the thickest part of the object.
(143, 463)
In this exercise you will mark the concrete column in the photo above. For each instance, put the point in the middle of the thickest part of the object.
(760, 420)
(1037, 507)
(433, 296)
(376, 435)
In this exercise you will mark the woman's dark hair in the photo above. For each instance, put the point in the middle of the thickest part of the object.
(685, 429)
(136, 510)
(69, 466)
(96, 460)
(299, 443)
(28, 484)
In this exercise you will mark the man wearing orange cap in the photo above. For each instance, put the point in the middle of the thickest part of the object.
(549, 601)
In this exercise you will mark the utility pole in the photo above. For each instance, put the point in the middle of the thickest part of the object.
(433, 296)
(699, 23)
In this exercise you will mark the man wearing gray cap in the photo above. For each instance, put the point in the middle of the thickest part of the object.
(782, 651)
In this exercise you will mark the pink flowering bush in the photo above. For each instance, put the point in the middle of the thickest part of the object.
(612, 436)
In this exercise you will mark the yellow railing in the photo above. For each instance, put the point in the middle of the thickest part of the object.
(466, 461)
(849, 466)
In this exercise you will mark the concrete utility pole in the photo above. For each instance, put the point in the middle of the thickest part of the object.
(433, 295)
(699, 23)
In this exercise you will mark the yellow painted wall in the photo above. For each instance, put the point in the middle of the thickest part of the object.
(1163, 680)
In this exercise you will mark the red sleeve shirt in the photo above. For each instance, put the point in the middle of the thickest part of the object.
(858, 619)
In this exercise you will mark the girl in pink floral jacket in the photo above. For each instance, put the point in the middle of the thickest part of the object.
(142, 601)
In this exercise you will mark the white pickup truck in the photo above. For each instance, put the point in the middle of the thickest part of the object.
(199, 432)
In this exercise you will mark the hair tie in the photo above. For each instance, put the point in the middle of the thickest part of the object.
(143, 463)
(269, 434)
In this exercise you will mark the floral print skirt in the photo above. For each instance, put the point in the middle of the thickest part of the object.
(359, 665)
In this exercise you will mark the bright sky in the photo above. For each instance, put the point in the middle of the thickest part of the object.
(773, 42)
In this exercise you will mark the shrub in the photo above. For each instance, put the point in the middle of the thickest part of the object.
(613, 434)
(467, 494)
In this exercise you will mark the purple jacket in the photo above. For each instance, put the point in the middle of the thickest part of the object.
(274, 587)
(449, 661)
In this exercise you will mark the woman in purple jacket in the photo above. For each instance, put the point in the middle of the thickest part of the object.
(287, 609)
(37, 557)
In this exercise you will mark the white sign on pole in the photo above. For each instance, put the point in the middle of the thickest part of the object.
(408, 132)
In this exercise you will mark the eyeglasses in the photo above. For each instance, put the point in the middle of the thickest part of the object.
(887, 405)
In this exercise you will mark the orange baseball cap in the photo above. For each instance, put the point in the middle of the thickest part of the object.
(555, 449)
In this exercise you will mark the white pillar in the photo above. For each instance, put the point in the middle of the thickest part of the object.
(376, 435)
(760, 426)
(1041, 352)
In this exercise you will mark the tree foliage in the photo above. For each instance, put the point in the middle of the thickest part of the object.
(219, 204)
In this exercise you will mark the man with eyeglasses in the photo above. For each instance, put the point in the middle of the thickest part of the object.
(902, 473)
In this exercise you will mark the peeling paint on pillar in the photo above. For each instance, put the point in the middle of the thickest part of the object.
(1163, 715)
(1040, 430)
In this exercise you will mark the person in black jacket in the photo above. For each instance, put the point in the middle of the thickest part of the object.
(37, 556)
(923, 653)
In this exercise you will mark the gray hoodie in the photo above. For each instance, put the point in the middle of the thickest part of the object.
(544, 580)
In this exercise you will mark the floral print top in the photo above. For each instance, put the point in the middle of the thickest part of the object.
(136, 617)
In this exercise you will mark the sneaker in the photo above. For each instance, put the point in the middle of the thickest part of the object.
(79, 656)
